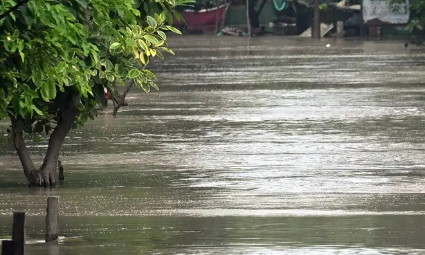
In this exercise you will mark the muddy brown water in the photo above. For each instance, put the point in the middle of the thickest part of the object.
(272, 146)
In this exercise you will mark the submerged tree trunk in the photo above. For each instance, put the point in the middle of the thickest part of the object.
(119, 99)
(46, 175)
(18, 140)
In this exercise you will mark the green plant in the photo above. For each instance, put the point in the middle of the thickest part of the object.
(56, 57)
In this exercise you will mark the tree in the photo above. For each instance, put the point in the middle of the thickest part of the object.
(417, 10)
(56, 58)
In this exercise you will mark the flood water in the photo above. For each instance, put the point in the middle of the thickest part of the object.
(272, 146)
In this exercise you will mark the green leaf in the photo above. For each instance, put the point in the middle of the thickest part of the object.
(149, 73)
(146, 87)
(150, 30)
(20, 48)
(168, 50)
(22, 104)
(133, 73)
(162, 34)
(170, 18)
(173, 29)
(135, 12)
(153, 85)
(144, 59)
(162, 17)
(153, 52)
(61, 67)
(109, 65)
(102, 74)
(83, 3)
(151, 39)
(45, 93)
(37, 110)
(178, 16)
(52, 89)
(159, 54)
(143, 85)
(37, 78)
(323, 6)
(110, 77)
(142, 45)
(114, 46)
(152, 22)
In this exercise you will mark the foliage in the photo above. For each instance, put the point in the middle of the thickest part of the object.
(51, 51)
(417, 10)
(417, 13)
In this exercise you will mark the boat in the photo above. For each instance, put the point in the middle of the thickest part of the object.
(203, 20)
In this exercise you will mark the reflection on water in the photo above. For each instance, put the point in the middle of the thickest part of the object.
(284, 147)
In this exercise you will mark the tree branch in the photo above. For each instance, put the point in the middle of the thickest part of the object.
(119, 99)
(14, 8)
(127, 87)
(50, 162)
(61, 130)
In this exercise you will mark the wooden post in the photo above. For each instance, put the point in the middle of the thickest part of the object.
(7, 247)
(316, 22)
(248, 21)
(52, 220)
(53, 249)
(18, 233)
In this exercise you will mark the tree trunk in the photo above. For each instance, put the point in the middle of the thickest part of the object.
(46, 175)
(119, 99)
(30, 172)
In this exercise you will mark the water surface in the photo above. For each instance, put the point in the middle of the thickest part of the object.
(272, 146)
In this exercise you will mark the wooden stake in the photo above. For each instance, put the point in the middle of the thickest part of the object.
(18, 233)
(7, 247)
(52, 220)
